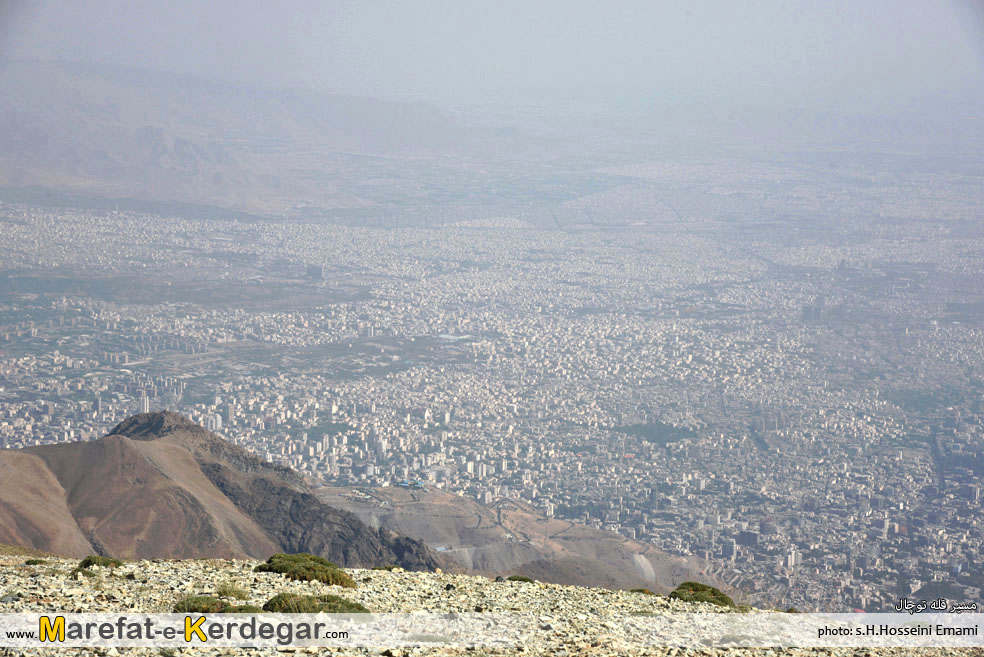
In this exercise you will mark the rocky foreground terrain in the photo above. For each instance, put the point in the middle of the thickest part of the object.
(570, 620)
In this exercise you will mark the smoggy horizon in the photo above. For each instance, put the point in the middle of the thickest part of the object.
(885, 57)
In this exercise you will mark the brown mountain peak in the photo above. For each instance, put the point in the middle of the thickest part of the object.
(151, 426)
(160, 486)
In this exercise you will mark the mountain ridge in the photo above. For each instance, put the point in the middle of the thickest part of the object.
(512, 537)
(160, 486)
(171, 139)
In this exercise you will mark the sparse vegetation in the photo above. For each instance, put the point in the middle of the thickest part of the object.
(35, 562)
(336, 605)
(292, 603)
(229, 590)
(519, 578)
(697, 592)
(18, 551)
(198, 604)
(390, 567)
(85, 572)
(306, 567)
(656, 432)
(103, 562)
(241, 609)
(206, 604)
(643, 591)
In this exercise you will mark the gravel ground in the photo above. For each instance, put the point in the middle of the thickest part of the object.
(570, 620)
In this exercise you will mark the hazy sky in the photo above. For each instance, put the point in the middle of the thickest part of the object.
(823, 53)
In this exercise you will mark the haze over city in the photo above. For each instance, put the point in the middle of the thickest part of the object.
(700, 279)
(823, 55)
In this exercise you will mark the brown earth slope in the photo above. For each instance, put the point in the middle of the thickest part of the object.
(511, 537)
(160, 486)
(33, 508)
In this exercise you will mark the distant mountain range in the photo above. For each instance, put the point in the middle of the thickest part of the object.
(173, 144)
(114, 133)
(160, 486)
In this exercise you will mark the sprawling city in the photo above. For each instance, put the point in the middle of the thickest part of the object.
(798, 407)
(566, 327)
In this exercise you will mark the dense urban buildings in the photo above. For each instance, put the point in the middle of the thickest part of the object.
(799, 407)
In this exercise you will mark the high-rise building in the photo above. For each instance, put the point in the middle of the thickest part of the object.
(144, 404)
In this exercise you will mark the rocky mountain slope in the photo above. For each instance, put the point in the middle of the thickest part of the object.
(514, 538)
(160, 486)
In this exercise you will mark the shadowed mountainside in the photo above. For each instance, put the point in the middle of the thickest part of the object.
(160, 486)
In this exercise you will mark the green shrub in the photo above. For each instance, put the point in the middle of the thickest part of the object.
(336, 605)
(35, 562)
(292, 603)
(241, 609)
(299, 559)
(697, 592)
(85, 572)
(305, 568)
(519, 578)
(231, 591)
(206, 604)
(96, 560)
(198, 604)
(390, 567)
(643, 591)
